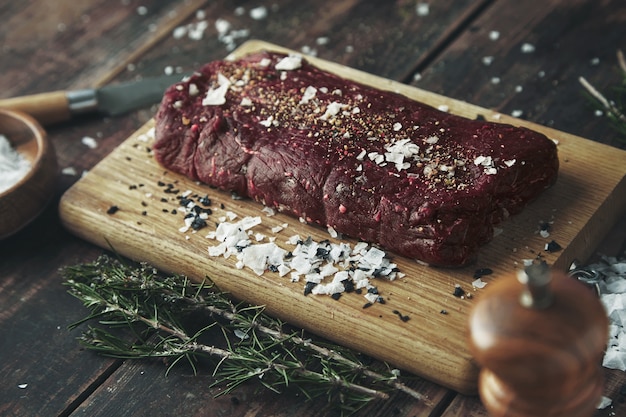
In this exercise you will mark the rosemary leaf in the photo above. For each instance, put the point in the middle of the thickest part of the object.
(148, 315)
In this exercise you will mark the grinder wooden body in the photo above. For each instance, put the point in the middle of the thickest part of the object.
(539, 340)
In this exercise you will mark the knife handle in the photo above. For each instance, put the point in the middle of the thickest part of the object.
(46, 108)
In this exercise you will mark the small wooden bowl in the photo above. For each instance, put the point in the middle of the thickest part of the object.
(26, 199)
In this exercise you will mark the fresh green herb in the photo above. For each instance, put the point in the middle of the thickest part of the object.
(615, 110)
(161, 316)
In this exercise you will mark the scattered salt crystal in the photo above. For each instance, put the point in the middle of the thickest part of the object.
(22, 386)
(222, 26)
(527, 48)
(422, 9)
(289, 63)
(89, 142)
(168, 70)
(517, 113)
(277, 229)
(217, 96)
(268, 211)
(240, 11)
(308, 95)
(494, 35)
(487, 60)
(519, 88)
(495, 80)
(443, 107)
(307, 50)
(510, 162)
(142, 10)
(332, 110)
(479, 283)
(69, 171)
(241, 334)
(267, 122)
(258, 13)
(322, 40)
(372, 298)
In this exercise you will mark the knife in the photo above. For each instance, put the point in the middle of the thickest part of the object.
(110, 100)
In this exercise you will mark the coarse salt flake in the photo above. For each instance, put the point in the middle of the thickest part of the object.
(509, 163)
(289, 63)
(89, 142)
(217, 96)
(479, 283)
(258, 13)
(422, 9)
(494, 35)
(69, 171)
(332, 110)
(487, 60)
(308, 95)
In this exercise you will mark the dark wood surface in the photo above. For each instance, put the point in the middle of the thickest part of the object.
(67, 44)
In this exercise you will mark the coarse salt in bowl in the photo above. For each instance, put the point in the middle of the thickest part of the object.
(24, 199)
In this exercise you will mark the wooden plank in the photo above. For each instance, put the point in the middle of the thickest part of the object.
(39, 354)
(431, 344)
(79, 45)
(570, 39)
(350, 32)
(141, 389)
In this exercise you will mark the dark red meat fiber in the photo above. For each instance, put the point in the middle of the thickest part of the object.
(371, 164)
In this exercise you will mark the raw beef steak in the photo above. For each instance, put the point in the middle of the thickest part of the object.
(371, 164)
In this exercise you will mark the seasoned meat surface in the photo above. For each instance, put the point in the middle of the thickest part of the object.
(372, 164)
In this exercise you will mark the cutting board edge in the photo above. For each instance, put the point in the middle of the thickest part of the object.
(462, 377)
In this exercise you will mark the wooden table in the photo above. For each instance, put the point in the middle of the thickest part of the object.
(468, 50)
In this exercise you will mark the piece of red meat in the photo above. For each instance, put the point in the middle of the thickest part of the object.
(372, 164)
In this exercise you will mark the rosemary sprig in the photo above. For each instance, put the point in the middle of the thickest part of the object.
(159, 312)
(616, 112)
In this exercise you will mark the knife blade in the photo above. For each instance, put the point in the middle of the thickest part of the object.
(110, 100)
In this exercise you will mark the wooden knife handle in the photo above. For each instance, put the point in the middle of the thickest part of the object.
(46, 108)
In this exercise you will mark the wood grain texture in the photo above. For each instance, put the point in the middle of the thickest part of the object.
(433, 345)
(564, 40)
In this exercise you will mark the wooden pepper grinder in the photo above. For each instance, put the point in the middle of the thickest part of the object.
(540, 341)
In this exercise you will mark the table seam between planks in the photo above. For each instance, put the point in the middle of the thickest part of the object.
(448, 37)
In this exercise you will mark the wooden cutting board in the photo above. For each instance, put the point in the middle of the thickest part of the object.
(586, 201)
